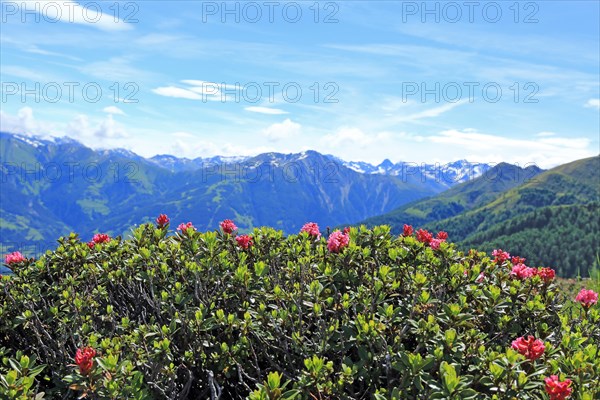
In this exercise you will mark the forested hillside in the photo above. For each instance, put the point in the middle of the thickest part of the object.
(534, 218)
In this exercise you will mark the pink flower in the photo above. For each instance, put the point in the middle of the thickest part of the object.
(531, 347)
(424, 236)
(184, 227)
(517, 260)
(337, 241)
(84, 358)
(162, 220)
(442, 235)
(556, 389)
(480, 278)
(244, 241)
(547, 274)
(228, 226)
(312, 229)
(14, 258)
(435, 243)
(500, 256)
(587, 298)
(522, 271)
(407, 230)
(98, 238)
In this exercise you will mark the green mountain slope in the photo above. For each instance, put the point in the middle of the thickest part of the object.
(532, 219)
(458, 199)
(52, 188)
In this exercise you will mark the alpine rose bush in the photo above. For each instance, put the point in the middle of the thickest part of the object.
(183, 227)
(98, 239)
(162, 220)
(522, 271)
(547, 274)
(337, 241)
(14, 258)
(424, 236)
(312, 229)
(407, 230)
(500, 256)
(228, 226)
(244, 241)
(531, 347)
(556, 389)
(435, 243)
(84, 358)
(587, 298)
(262, 316)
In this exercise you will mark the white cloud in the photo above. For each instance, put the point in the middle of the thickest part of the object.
(80, 128)
(545, 134)
(283, 130)
(110, 129)
(172, 91)
(544, 151)
(22, 72)
(113, 110)
(24, 123)
(182, 134)
(352, 136)
(266, 110)
(68, 11)
(429, 113)
(203, 148)
(593, 103)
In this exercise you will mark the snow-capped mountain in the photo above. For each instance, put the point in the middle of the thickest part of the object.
(448, 174)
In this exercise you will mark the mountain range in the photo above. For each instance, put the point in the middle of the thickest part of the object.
(51, 187)
(550, 217)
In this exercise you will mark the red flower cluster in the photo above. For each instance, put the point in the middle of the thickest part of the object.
(531, 347)
(228, 226)
(84, 358)
(547, 274)
(424, 236)
(337, 241)
(441, 237)
(98, 238)
(14, 258)
(435, 243)
(556, 389)
(408, 230)
(500, 256)
(162, 220)
(522, 271)
(244, 241)
(312, 229)
(517, 260)
(587, 298)
(184, 227)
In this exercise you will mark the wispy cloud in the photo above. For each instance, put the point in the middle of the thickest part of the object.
(177, 92)
(266, 110)
(113, 110)
(593, 103)
(546, 151)
(68, 11)
(352, 136)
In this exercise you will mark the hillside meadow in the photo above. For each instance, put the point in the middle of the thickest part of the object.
(352, 314)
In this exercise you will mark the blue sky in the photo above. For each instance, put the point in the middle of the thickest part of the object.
(409, 81)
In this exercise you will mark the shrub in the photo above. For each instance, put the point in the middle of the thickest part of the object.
(200, 315)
